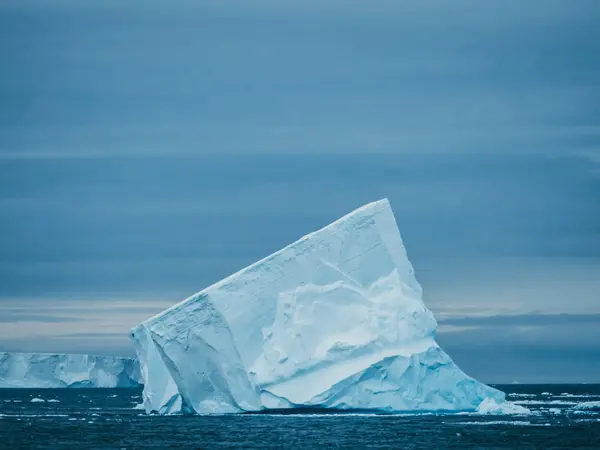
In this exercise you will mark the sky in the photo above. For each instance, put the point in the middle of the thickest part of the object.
(150, 149)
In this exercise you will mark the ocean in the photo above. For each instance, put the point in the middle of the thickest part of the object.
(562, 416)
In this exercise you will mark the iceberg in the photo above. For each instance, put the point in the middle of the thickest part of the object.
(39, 370)
(333, 321)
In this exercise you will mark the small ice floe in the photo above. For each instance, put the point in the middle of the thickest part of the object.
(546, 394)
(587, 405)
(489, 406)
(522, 395)
(113, 396)
(139, 406)
(53, 400)
(37, 400)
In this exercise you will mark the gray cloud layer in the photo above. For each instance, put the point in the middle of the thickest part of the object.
(352, 77)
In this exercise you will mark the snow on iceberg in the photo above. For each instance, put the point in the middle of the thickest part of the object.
(334, 320)
(38, 370)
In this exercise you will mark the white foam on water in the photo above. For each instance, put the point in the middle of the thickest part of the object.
(545, 402)
(588, 405)
(326, 416)
(521, 395)
(34, 415)
(567, 395)
(506, 422)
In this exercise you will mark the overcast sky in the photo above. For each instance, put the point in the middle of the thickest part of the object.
(147, 151)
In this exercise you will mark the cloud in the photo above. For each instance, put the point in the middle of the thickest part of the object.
(73, 326)
(8, 317)
(266, 78)
(522, 320)
(528, 348)
(167, 227)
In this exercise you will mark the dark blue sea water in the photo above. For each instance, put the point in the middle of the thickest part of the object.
(562, 416)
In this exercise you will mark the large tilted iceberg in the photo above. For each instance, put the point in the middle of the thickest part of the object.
(39, 370)
(334, 320)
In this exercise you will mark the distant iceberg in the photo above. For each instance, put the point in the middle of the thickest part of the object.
(334, 321)
(39, 370)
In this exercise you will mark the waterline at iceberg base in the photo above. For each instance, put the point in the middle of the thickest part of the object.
(333, 321)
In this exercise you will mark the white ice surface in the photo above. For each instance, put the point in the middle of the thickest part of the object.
(491, 406)
(38, 370)
(160, 393)
(334, 320)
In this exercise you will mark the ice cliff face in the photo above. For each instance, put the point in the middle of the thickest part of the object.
(334, 320)
(35, 370)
